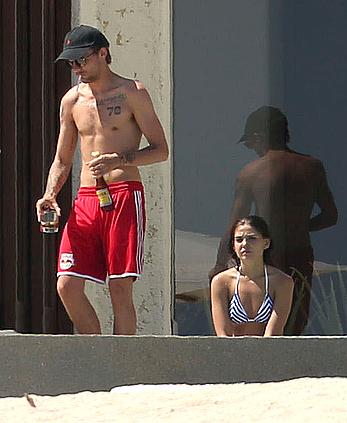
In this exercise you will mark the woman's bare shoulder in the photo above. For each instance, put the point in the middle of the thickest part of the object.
(225, 277)
(278, 277)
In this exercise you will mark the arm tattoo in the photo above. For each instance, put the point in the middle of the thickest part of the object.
(128, 157)
(56, 178)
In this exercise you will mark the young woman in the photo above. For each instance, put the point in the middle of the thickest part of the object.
(252, 298)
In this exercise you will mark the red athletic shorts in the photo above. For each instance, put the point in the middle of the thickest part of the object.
(96, 243)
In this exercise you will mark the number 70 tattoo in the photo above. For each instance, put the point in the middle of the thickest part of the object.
(114, 110)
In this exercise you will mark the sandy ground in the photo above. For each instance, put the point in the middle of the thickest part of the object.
(300, 400)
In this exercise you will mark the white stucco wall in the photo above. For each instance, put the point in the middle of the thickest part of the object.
(139, 32)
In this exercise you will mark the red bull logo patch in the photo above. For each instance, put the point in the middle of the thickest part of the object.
(66, 261)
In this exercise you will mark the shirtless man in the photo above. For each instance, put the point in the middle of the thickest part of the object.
(283, 186)
(110, 113)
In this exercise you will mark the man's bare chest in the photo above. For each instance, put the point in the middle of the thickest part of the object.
(105, 113)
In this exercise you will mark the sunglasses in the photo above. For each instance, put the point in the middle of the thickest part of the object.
(82, 61)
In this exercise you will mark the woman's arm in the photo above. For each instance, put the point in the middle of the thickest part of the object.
(219, 301)
(282, 303)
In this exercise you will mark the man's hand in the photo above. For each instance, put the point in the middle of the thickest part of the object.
(104, 163)
(45, 204)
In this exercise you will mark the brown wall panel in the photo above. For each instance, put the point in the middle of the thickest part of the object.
(22, 166)
(31, 88)
(8, 215)
(36, 158)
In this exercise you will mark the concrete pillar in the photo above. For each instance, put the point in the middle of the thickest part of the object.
(140, 43)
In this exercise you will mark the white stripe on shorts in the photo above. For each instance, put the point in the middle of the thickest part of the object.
(139, 218)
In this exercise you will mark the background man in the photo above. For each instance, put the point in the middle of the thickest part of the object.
(110, 113)
(283, 186)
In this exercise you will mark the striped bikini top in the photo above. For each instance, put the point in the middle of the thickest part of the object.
(238, 314)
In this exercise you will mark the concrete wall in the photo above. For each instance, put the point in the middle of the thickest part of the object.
(51, 365)
(140, 36)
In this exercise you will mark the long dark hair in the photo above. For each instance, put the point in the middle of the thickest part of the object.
(259, 224)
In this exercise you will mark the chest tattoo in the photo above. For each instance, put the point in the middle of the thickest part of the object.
(111, 101)
(113, 104)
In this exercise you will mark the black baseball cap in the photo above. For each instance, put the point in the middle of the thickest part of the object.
(80, 40)
(266, 120)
